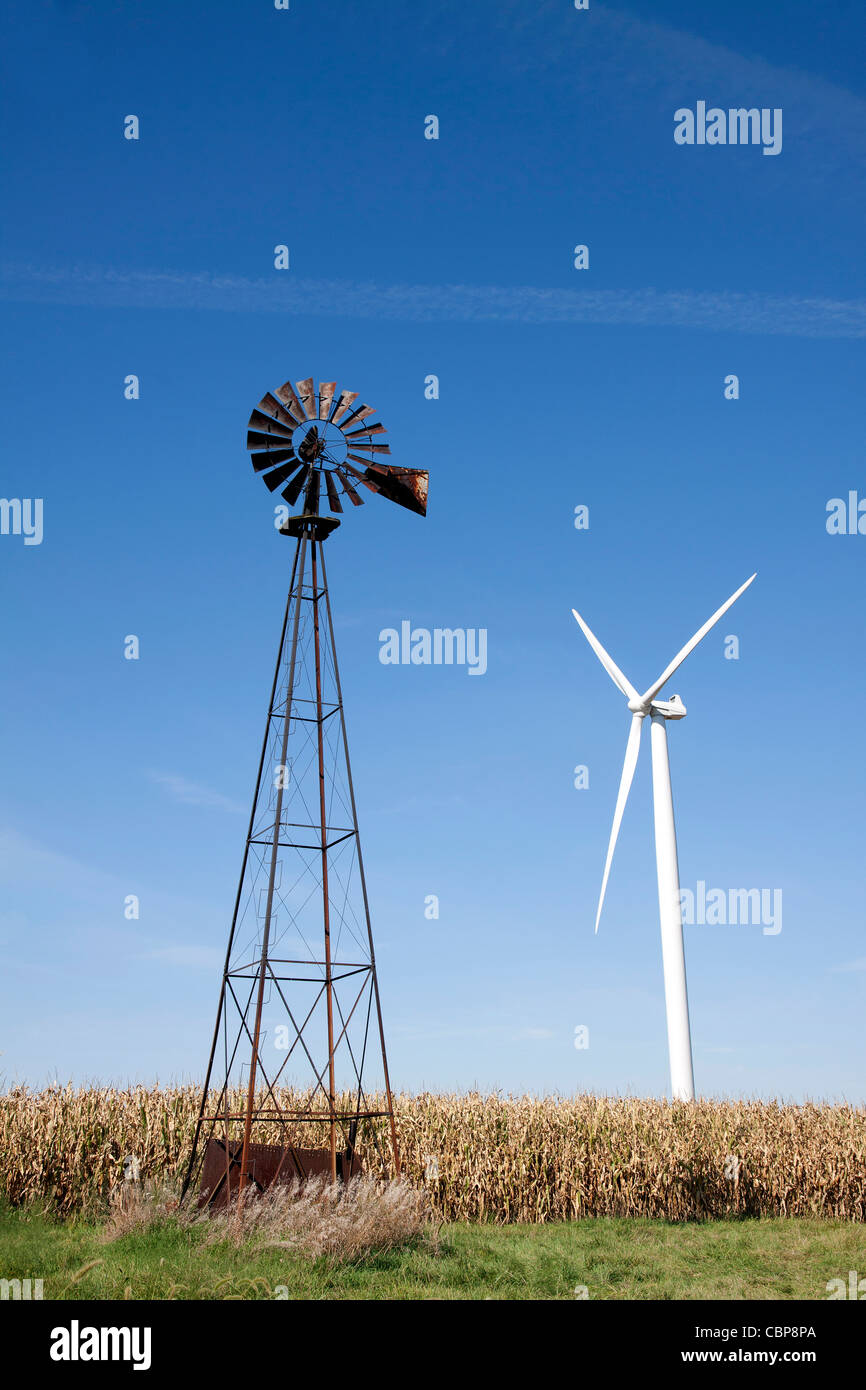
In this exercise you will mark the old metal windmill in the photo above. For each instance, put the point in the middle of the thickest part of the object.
(299, 999)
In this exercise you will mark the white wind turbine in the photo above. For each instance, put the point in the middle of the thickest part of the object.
(676, 996)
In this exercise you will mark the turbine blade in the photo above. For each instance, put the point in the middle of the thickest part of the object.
(632, 749)
(690, 646)
(607, 660)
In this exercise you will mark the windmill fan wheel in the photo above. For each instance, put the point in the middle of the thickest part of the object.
(300, 438)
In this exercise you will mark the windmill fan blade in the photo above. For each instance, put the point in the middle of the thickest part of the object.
(346, 399)
(326, 396)
(260, 461)
(280, 475)
(360, 413)
(293, 491)
(257, 439)
(307, 397)
(370, 449)
(690, 645)
(368, 429)
(607, 660)
(287, 395)
(362, 477)
(632, 749)
(260, 421)
(271, 406)
(333, 496)
(405, 486)
(348, 489)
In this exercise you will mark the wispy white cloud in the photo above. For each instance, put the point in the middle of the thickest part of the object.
(850, 967)
(193, 793)
(713, 310)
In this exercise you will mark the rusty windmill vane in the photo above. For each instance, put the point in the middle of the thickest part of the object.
(299, 1008)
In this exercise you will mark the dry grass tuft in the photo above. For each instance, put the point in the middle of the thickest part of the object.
(316, 1218)
(320, 1218)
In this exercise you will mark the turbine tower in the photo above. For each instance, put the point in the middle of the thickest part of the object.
(299, 998)
(667, 869)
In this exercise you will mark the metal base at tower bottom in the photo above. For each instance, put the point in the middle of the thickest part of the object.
(267, 1165)
(304, 820)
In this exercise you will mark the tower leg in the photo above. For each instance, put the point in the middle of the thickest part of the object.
(323, 830)
(670, 914)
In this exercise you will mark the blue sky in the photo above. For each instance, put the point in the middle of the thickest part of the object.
(558, 387)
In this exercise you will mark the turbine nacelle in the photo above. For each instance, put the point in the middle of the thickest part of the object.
(669, 709)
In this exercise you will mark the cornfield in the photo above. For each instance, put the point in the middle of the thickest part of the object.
(483, 1157)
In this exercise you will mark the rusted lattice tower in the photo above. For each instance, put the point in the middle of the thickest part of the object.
(299, 1024)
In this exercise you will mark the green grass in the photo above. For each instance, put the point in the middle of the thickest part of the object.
(614, 1259)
